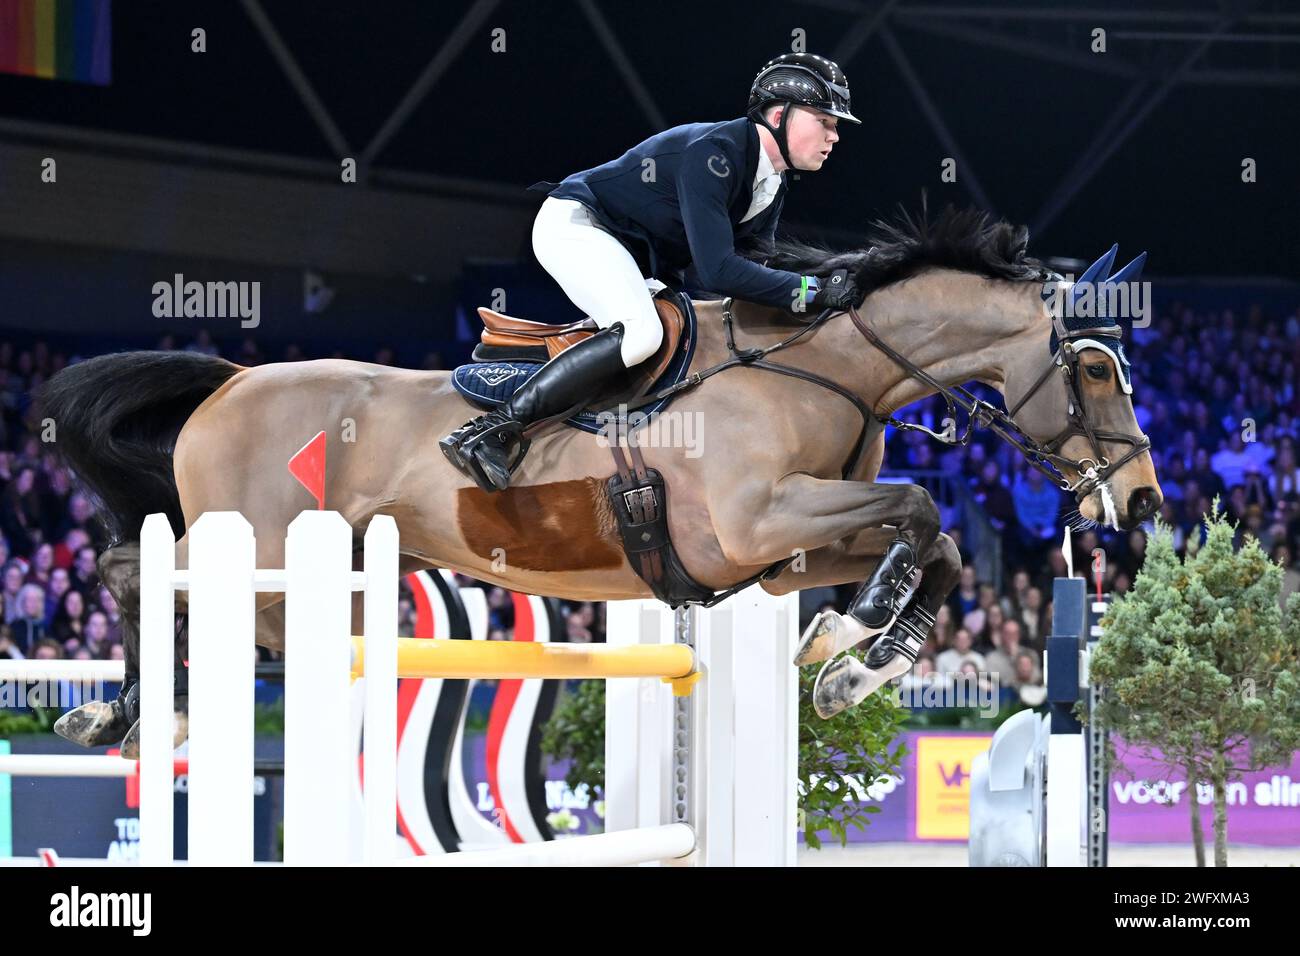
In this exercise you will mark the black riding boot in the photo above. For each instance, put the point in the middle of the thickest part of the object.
(490, 448)
(888, 589)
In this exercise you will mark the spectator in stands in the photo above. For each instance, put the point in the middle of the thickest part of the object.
(14, 577)
(950, 661)
(20, 516)
(942, 630)
(29, 626)
(113, 616)
(80, 515)
(1230, 463)
(85, 575)
(1038, 506)
(97, 636)
(965, 597)
(1016, 595)
(1029, 680)
(58, 586)
(1030, 617)
(69, 621)
(8, 649)
(65, 552)
(1284, 479)
(996, 501)
(1002, 661)
(47, 650)
(42, 565)
(994, 618)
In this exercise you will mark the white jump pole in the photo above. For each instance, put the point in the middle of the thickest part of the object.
(668, 842)
(66, 765)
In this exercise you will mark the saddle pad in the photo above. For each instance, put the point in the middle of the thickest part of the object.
(491, 384)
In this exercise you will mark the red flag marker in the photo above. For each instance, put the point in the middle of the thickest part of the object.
(308, 466)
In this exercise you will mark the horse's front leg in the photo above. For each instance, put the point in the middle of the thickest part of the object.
(847, 680)
(802, 513)
(853, 560)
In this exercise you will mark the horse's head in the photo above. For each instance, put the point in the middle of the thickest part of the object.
(1077, 401)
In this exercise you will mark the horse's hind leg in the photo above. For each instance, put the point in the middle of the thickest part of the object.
(100, 723)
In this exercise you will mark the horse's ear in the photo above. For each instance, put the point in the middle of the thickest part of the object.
(1098, 271)
(1130, 272)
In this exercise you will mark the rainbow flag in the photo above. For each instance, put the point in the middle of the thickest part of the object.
(57, 39)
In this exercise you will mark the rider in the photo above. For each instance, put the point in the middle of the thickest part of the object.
(703, 195)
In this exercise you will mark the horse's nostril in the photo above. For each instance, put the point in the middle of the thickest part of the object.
(1143, 502)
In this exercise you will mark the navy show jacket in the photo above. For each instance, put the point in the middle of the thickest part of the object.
(675, 201)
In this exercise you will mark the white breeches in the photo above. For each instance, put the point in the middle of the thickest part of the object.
(598, 274)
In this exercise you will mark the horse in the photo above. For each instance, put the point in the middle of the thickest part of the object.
(783, 478)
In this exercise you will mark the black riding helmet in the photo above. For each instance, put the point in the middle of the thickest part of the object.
(803, 79)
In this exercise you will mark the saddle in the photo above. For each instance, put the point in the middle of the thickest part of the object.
(511, 349)
(506, 338)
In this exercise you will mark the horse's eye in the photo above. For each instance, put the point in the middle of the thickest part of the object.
(1099, 371)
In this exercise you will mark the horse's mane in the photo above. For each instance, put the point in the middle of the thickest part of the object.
(967, 239)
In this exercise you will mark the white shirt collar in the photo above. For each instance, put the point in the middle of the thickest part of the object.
(765, 167)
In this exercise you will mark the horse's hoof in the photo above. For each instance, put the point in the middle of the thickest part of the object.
(847, 682)
(180, 733)
(96, 723)
(840, 685)
(830, 633)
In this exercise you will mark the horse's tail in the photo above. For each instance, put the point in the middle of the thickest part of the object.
(114, 419)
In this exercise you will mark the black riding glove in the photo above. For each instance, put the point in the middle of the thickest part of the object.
(838, 292)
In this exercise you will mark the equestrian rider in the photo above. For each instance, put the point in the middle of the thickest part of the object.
(701, 196)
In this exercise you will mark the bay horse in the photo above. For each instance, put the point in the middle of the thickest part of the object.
(947, 302)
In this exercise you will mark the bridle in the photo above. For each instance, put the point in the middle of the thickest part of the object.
(1044, 456)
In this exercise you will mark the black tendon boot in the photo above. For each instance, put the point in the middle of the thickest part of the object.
(888, 589)
(906, 637)
(491, 447)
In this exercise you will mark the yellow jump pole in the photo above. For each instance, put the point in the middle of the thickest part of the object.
(505, 660)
